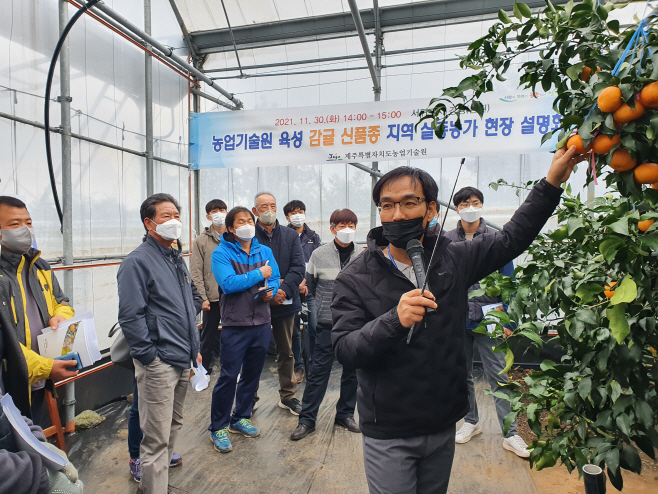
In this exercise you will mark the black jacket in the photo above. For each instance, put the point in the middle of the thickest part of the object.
(420, 388)
(309, 240)
(287, 250)
(14, 367)
(158, 304)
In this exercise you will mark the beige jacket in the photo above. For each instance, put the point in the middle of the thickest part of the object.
(201, 266)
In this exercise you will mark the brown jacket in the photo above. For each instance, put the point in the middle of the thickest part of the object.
(201, 265)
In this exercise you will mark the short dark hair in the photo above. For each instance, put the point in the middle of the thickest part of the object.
(215, 204)
(292, 205)
(343, 216)
(230, 217)
(430, 189)
(147, 209)
(12, 202)
(465, 194)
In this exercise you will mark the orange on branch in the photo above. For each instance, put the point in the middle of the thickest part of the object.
(608, 292)
(584, 75)
(646, 173)
(576, 140)
(609, 99)
(622, 161)
(625, 113)
(603, 144)
(644, 225)
(654, 186)
(649, 95)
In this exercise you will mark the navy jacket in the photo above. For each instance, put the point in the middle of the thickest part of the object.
(309, 240)
(157, 306)
(239, 278)
(287, 250)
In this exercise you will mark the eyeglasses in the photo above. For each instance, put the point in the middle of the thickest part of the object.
(406, 204)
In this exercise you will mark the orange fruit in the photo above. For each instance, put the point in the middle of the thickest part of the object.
(609, 99)
(608, 292)
(625, 113)
(622, 160)
(654, 186)
(603, 144)
(576, 140)
(644, 225)
(646, 173)
(584, 75)
(649, 95)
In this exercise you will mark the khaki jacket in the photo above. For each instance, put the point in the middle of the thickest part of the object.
(201, 266)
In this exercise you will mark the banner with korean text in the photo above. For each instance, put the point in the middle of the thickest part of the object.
(365, 132)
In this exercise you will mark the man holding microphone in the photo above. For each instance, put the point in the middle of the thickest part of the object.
(411, 396)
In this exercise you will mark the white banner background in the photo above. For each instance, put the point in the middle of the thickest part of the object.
(365, 132)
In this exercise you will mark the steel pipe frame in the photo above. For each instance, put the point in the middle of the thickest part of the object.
(379, 42)
(364, 44)
(164, 50)
(148, 104)
(91, 140)
(198, 92)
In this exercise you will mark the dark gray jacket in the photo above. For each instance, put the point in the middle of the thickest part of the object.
(475, 304)
(157, 307)
(322, 269)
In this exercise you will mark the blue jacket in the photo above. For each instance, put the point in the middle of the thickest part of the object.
(157, 307)
(239, 278)
(287, 250)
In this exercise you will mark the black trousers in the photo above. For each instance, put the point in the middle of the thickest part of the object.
(316, 385)
(209, 334)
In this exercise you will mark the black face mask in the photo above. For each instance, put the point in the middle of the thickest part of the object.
(400, 232)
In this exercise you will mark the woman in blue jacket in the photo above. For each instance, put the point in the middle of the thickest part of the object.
(249, 277)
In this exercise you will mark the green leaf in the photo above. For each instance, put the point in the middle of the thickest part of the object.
(574, 223)
(508, 420)
(630, 458)
(650, 240)
(570, 399)
(509, 361)
(478, 108)
(517, 11)
(615, 391)
(531, 335)
(531, 410)
(587, 291)
(644, 413)
(624, 293)
(585, 387)
(524, 9)
(618, 323)
(620, 226)
(609, 248)
(503, 17)
(588, 316)
(574, 71)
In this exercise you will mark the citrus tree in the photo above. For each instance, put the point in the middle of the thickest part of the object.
(594, 280)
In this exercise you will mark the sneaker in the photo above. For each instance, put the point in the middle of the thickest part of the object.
(516, 445)
(293, 405)
(301, 432)
(348, 424)
(220, 441)
(244, 427)
(175, 461)
(299, 375)
(467, 431)
(136, 470)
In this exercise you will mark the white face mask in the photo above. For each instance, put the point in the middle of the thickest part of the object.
(245, 232)
(345, 236)
(169, 230)
(298, 220)
(218, 219)
(267, 218)
(470, 214)
(18, 240)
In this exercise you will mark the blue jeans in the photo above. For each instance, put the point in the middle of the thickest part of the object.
(134, 430)
(242, 348)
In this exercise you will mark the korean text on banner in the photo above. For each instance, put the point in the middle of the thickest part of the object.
(364, 132)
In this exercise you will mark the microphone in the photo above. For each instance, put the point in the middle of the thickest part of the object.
(416, 253)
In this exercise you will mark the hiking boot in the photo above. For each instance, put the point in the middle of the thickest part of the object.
(299, 375)
(136, 469)
(516, 445)
(244, 427)
(301, 432)
(175, 461)
(221, 441)
(293, 405)
(467, 431)
(348, 424)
